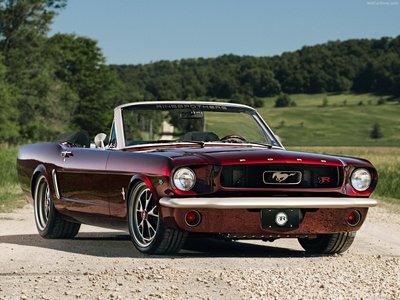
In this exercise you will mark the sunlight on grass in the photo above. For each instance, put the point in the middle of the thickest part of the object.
(11, 196)
(346, 120)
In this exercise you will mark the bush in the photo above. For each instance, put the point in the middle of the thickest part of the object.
(247, 100)
(325, 102)
(376, 132)
(284, 100)
(381, 101)
(258, 102)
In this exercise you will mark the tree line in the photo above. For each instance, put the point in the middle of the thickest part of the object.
(53, 84)
(358, 65)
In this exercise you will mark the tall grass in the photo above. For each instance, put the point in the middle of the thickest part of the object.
(11, 195)
(385, 159)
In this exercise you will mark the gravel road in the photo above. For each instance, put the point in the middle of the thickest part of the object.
(103, 264)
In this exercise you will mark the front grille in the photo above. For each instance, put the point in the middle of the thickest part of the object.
(281, 176)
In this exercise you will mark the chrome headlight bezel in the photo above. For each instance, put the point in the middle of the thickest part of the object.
(184, 179)
(361, 179)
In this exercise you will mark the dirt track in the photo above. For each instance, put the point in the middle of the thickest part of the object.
(103, 264)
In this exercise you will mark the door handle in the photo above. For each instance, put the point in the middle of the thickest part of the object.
(66, 154)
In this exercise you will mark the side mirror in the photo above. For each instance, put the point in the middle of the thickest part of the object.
(99, 140)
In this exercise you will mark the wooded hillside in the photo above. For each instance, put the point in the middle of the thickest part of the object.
(354, 65)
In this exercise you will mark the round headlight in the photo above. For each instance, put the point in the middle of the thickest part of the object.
(360, 179)
(184, 179)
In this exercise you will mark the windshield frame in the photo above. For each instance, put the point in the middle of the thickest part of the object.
(196, 105)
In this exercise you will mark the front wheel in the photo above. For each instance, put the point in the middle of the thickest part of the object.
(328, 243)
(48, 222)
(146, 228)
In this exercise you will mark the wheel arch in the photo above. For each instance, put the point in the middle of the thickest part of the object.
(135, 180)
(39, 170)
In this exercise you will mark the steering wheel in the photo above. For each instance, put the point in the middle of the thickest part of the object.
(233, 138)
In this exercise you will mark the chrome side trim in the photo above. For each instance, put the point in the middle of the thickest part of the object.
(267, 202)
(55, 183)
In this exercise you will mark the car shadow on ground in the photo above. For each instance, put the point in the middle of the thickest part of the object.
(104, 244)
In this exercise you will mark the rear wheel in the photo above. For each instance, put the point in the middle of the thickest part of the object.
(48, 222)
(146, 227)
(329, 243)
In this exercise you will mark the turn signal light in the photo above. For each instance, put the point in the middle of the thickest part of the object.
(193, 218)
(354, 218)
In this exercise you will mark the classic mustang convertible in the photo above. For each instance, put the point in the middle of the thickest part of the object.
(170, 169)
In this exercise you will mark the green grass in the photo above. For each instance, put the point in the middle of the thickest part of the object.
(310, 124)
(385, 159)
(11, 196)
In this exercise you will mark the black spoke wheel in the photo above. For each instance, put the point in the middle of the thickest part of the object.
(48, 222)
(146, 228)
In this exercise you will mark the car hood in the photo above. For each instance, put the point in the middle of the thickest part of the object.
(252, 155)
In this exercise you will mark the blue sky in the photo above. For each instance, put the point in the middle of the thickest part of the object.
(133, 31)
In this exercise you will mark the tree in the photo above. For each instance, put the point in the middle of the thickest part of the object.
(376, 132)
(19, 18)
(24, 25)
(8, 111)
(80, 64)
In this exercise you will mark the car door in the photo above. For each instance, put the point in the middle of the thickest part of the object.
(83, 181)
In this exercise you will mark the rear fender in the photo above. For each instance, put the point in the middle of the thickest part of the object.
(40, 169)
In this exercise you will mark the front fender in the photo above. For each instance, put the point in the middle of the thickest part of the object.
(140, 178)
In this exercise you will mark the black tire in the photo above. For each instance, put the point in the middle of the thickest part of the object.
(146, 228)
(48, 222)
(329, 243)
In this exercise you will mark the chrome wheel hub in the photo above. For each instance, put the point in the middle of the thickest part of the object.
(146, 218)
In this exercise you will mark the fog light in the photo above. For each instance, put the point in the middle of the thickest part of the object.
(354, 218)
(193, 218)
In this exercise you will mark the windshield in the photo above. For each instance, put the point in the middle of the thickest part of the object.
(172, 123)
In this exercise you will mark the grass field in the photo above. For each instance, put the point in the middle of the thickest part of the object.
(11, 196)
(311, 124)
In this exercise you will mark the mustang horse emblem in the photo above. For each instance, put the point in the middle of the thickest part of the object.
(278, 176)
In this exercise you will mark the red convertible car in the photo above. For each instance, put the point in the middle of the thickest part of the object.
(170, 169)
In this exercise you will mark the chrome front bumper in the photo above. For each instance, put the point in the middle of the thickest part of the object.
(267, 202)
